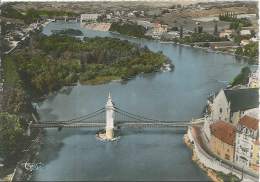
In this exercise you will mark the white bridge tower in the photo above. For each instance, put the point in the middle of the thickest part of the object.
(109, 118)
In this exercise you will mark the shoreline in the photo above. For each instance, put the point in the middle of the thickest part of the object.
(209, 50)
(210, 173)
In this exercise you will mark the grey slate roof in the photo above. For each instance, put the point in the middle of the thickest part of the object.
(242, 99)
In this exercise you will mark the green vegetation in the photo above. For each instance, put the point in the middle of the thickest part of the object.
(236, 23)
(70, 32)
(199, 37)
(58, 60)
(11, 136)
(32, 15)
(249, 50)
(242, 77)
(228, 177)
(130, 29)
(9, 12)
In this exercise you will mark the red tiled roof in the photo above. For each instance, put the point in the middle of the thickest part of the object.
(223, 131)
(249, 122)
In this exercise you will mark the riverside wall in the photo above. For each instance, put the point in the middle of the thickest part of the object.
(211, 162)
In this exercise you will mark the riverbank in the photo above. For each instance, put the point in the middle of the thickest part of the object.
(212, 164)
(211, 50)
(210, 173)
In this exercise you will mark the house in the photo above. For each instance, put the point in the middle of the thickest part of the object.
(244, 42)
(230, 104)
(246, 137)
(88, 17)
(145, 24)
(253, 81)
(158, 29)
(222, 140)
(245, 32)
(226, 34)
(254, 164)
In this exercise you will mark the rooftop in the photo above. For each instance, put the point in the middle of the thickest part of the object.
(223, 131)
(242, 99)
(249, 122)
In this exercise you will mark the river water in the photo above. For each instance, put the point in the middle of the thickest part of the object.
(150, 154)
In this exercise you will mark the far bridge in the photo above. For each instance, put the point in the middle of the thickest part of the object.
(111, 118)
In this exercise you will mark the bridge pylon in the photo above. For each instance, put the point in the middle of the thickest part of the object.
(109, 118)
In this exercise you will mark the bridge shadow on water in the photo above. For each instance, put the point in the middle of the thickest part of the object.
(53, 141)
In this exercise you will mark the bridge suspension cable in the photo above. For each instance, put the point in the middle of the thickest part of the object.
(92, 116)
(84, 117)
(134, 116)
(87, 116)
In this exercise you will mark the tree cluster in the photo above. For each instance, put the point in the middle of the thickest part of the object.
(249, 50)
(130, 29)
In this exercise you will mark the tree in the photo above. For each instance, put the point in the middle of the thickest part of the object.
(11, 135)
(216, 29)
(242, 77)
(200, 29)
(181, 31)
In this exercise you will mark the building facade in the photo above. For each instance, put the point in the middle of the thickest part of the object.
(222, 140)
(246, 138)
(230, 104)
(254, 164)
(253, 81)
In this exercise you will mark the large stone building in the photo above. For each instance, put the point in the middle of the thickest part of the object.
(222, 140)
(246, 137)
(229, 105)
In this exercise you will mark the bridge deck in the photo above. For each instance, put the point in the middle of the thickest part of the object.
(123, 124)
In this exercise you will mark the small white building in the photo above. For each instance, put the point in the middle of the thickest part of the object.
(245, 32)
(145, 24)
(253, 81)
(244, 42)
(89, 17)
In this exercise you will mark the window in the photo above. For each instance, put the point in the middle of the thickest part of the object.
(227, 156)
(220, 110)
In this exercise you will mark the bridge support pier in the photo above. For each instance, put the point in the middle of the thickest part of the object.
(28, 132)
(109, 118)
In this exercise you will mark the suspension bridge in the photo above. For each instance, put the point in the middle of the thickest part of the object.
(111, 117)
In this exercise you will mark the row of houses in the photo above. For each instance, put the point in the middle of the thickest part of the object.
(231, 127)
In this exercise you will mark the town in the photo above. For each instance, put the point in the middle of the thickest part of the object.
(51, 49)
(230, 130)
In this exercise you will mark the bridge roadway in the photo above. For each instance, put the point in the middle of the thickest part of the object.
(120, 124)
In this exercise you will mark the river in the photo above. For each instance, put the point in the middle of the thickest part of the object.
(149, 154)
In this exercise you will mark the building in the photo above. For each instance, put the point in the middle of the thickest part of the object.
(244, 42)
(245, 32)
(254, 164)
(222, 140)
(230, 104)
(246, 137)
(253, 81)
(226, 34)
(158, 29)
(145, 24)
(88, 17)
